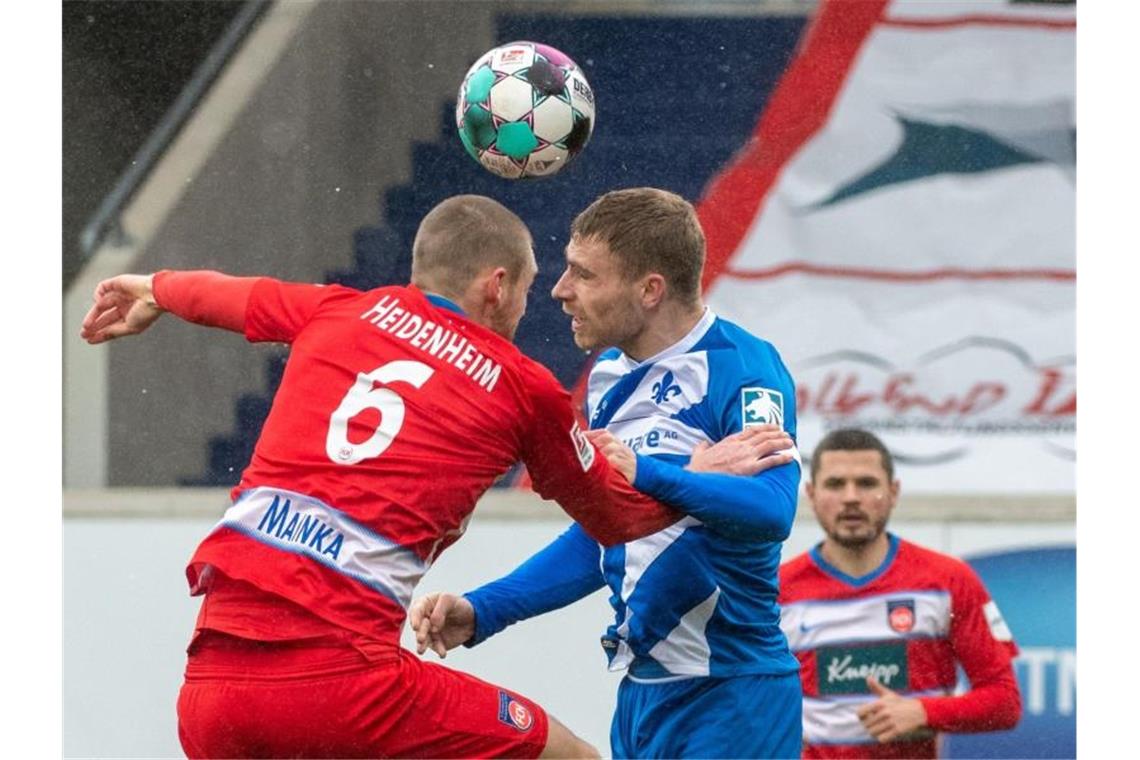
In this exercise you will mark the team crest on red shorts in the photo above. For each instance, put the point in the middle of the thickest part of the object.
(514, 713)
(900, 615)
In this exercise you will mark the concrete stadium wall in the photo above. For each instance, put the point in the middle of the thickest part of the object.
(127, 615)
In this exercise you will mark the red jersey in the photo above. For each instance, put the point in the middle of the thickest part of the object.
(908, 623)
(394, 414)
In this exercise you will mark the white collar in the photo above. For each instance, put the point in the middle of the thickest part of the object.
(682, 346)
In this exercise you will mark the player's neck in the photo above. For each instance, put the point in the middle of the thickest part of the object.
(856, 561)
(671, 322)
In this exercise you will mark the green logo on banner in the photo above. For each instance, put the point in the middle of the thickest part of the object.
(844, 670)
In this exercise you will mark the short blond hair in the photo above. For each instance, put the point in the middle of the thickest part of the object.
(649, 230)
(463, 236)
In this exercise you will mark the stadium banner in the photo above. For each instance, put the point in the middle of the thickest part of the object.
(902, 227)
(1035, 589)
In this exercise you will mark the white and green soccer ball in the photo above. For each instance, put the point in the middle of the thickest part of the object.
(524, 110)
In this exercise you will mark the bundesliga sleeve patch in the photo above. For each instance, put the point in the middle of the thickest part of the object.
(996, 622)
(583, 447)
(761, 406)
(514, 713)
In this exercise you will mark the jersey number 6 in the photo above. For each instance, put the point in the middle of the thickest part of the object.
(365, 395)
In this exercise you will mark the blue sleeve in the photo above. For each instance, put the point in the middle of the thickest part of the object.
(567, 570)
(760, 507)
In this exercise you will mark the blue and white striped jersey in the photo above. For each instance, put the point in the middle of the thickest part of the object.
(699, 597)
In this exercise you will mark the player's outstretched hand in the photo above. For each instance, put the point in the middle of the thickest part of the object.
(441, 621)
(748, 452)
(892, 715)
(618, 454)
(124, 305)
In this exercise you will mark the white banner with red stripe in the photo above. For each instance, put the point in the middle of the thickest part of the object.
(902, 228)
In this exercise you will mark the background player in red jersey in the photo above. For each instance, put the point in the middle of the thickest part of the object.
(879, 624)
(398, 408)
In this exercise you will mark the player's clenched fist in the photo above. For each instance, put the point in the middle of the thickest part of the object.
(441, 621)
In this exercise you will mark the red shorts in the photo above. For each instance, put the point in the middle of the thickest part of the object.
(244, 698)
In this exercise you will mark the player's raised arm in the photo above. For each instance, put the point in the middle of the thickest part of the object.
(740, 486)
(760, 507)
(130, 303)
(261, 308)
(749, 452)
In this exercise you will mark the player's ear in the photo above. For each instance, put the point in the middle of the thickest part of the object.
(653, 289)
(494, 286)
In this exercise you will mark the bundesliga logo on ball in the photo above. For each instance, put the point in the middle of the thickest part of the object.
(524, 110)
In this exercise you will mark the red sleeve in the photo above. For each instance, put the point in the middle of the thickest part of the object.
(205, 298)
(984, 646)
(279, 310)
(566, 467)
(262, 308)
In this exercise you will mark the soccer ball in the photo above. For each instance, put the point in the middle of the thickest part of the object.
(524, 110)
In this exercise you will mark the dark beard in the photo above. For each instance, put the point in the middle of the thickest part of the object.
(860, 541)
